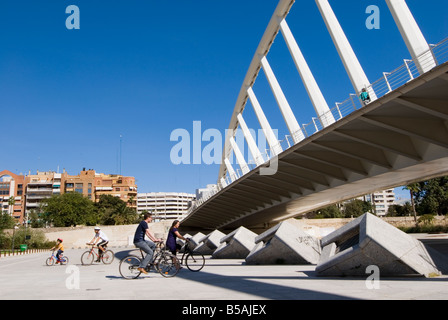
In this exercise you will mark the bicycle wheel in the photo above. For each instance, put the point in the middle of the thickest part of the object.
(50, 261)
(129, 267)
(167, 265)
(195, 261)
(87, 258)
(108, 257)
(64, 260)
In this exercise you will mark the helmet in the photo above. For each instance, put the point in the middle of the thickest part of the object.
(97, 228)
(59, 239)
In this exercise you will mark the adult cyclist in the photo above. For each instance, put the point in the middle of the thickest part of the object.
(147, 246)
(101, 240)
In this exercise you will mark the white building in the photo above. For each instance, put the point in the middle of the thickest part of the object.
(165, 205)
(381, 201)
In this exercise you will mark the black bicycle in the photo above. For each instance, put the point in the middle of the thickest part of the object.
(163, 262)
(194, 261)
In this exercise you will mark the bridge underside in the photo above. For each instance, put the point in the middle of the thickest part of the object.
(398, 139)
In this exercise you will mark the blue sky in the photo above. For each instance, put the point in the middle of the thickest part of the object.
(142, 69)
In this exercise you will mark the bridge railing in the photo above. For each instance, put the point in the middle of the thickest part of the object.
(388, 83)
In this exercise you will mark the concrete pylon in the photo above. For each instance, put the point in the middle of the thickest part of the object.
(209, 243)
(369, 241)
(285, 244)
(236, 245)
(195, 240)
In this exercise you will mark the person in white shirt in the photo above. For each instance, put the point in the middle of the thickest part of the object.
(101, 240)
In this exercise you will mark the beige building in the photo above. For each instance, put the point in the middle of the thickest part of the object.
(90, 184)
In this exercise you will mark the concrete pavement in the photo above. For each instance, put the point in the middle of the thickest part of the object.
(28, 278)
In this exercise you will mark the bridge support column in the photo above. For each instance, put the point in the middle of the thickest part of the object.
(272, 140)
(239, 156)
(412, 35)
(289, 117)
(232, 173)
(314, 92)
(351, 63)
(250, 141)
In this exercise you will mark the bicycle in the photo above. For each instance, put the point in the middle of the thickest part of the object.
(63, 260)
(194, 261)
(163, 262)
(88, 256)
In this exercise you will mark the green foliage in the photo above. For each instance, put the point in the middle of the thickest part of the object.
(397, 210)
(70, 209)
(329, 212)
(356, 208)
(114, 211)
(431, 196)
(35, 239)
(6, 221)
(426, 219)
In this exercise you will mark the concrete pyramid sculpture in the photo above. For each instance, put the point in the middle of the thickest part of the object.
(285, 244)
(370, 241)
(208, 244)
(195, 240)
(236, 245)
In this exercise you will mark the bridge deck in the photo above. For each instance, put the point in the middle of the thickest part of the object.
(397, 139)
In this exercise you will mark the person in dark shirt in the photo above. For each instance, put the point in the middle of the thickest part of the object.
(147, 246)
(173, 234)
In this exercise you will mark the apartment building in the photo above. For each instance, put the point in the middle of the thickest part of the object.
(381, 201)
(12, 194)
(31, 190)
(165, 205)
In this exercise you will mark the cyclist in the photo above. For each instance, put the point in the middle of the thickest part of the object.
(147, 246)
(101, 239)
(173, 234)
(60, 247)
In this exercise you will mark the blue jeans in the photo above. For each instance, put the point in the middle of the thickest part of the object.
(148, 247)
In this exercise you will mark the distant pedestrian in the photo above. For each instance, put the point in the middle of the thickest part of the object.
(364, 96)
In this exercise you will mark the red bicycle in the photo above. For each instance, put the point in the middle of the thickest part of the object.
(89, 256)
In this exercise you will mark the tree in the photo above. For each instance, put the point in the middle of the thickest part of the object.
(114, 211)
(397, 210)
(331, 211)
(356, 208)
(413, 188)
(70, 209)
(6, 221)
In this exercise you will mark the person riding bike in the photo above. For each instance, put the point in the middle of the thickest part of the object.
(60, 247)
(147, 246)
(101, 239)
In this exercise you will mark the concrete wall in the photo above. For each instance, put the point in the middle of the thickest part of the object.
(118, 235)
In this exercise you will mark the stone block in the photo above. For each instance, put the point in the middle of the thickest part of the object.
(236, 245)
(285, 244)
(368, 240)
(209, 243)
(196, 240)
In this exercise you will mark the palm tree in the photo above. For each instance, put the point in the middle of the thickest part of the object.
(413, 188)
(11, 203)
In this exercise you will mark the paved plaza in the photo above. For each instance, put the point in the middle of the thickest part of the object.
(27, 277)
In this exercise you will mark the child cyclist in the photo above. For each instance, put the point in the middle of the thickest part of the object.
(60, 247)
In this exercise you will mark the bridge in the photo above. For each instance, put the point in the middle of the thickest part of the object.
(398, 136)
